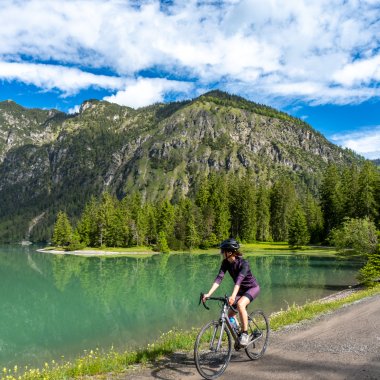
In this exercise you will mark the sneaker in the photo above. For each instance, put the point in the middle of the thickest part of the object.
(244, 339)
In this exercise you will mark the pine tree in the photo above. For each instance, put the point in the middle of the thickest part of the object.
(151, 212)
(263, 214)
(235, 195)
(377, 198)
(366, 199)
(248, 226)
(62, 230)
(207, 215)
(371, 270)
(192, 238)
(86, 226)
(104, 218)
(75, 243)
(350, 184)
(162, 242)
(203, 194)
(242, 199)
(298, 234)
(219, 203)
(283, 201)
(314, 218)
(183, 211)
(165, 220)
(332, 198)
(118, 231)
(139, 223)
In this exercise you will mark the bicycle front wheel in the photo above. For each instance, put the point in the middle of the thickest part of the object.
(258, 330)
(212, 350)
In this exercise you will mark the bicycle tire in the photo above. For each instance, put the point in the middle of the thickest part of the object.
(209, 362)
(258, 330)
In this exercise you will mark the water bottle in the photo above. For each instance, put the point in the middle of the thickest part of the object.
(234, 324)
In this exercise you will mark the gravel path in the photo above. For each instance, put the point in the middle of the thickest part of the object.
(344, 344)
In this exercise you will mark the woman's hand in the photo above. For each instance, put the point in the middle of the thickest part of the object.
(231, 300)
(205, 296)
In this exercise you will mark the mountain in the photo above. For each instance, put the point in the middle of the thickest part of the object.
(50, 161)
(21, 126)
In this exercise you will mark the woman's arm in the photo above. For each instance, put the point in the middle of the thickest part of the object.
(217, 280)
(214, 286)
(231, 300)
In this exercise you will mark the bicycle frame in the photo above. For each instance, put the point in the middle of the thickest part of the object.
(214, 343)
(225, 321)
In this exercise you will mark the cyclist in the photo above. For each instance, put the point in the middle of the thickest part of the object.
(246, 287)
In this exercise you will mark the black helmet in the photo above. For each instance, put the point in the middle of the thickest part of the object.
(229, 245)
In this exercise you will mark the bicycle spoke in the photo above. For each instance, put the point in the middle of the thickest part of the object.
(258, 330)
(212, 350)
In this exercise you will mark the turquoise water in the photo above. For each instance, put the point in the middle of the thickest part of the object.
(56, 305)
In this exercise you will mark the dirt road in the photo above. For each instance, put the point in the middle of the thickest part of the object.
(341, 345)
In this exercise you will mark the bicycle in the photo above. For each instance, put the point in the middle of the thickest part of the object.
(213, 346)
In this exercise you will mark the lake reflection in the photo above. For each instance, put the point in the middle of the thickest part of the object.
(55, 305)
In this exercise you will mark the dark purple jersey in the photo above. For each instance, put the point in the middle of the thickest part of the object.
(240, 272)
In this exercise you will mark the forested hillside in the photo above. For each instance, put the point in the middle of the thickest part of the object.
(166, 156)
(225, 205)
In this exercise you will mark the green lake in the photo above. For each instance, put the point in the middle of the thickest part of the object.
(59, 305)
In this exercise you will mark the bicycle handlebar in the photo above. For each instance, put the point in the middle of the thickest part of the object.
(222, 299)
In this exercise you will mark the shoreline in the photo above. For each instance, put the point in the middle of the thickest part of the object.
(95, 253)
(88, 252)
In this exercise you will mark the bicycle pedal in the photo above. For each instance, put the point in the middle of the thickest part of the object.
(256, 336)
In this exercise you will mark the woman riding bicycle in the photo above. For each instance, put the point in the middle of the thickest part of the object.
(246, 287)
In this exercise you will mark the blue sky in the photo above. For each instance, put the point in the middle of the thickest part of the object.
(318, 60)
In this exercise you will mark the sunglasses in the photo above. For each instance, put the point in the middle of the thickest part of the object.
(229, 254)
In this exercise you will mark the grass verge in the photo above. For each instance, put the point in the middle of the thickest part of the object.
(257, 249)
(295, 313)
(97, 362)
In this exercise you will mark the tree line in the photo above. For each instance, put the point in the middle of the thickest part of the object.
(223, 206)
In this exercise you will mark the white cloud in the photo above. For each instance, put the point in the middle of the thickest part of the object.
(144, 91)
(361, 71)
(74, 109)
(48, 77)
(365, 142)
(319, 51)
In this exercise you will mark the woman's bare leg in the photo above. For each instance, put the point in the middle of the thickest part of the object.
(242, 308)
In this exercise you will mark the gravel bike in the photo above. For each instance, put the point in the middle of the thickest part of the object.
(213, 346)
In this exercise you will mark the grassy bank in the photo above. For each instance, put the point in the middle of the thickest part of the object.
(265, 248)
(96, 362)
(257, 249)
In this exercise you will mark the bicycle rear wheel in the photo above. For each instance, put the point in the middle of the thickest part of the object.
(212, 350)
(258, 330)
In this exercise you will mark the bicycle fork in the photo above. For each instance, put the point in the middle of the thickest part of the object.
(220, 338)
(222, 325)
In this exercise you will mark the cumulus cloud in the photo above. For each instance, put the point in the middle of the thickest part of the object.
(361, 71)
(145, 91)
(365, 141)
(319, 51)
(74, 109)
(68, 80)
